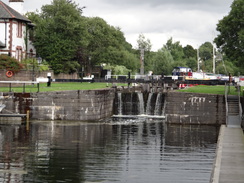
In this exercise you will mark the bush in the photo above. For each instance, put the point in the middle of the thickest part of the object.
(9, 63)
(117, 69)
(32, 64)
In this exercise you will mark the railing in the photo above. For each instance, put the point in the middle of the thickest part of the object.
(20, 82)
(136, 77)
(227, 88)
(239, 99)
(227, 91)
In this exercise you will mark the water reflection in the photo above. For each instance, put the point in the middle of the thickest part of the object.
(117, 151)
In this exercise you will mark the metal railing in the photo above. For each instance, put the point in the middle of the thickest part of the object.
(239, 101)
(136, 77)
(227, 89)
(21, 82)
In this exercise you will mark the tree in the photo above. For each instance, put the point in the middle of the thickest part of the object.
(144, 43)
(231, 37)
(144, 47)
(190, 57)
(162, 62)
(59, 33)
(107, 45)
(189, 52)
(192, 63)
(206, 55)
(175, 49)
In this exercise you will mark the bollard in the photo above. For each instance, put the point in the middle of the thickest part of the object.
(49, 79)
(27, 120)
(128, 79)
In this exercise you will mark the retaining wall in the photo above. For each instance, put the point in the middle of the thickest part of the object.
(81, 105)
(26, 75)
(193, 108)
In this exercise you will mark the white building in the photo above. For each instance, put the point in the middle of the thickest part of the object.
(15, 31)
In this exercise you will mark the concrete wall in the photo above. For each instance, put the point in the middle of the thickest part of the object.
(66, 105)
(195, 108)
(183, 108)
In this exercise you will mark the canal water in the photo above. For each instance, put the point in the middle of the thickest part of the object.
(133, 151)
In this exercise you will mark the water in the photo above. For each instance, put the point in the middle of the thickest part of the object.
(139, 104)
(134, 151)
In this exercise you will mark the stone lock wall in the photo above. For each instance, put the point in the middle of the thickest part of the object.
(193, 108)
(91, 105)
(81, 105)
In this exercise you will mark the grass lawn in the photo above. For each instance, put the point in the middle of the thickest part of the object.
(57, 87)
(217, 89)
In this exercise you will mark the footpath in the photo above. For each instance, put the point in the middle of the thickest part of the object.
(229, 162)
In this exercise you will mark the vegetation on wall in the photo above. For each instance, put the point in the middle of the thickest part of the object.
(10, 63)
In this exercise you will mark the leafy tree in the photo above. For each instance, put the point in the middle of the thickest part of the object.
(162, 62)
(68, 41)
(190, 57)
(206, 51)
(175, 49)
(224, 65)
(107, 44)
(59, 34)
(192, 63)
(144, 43)
(145, 46)
(231, 37)
(206, 55)
(189, 52)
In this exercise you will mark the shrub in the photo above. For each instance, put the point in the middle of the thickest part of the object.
(31, 63)
(9, 63)
(117, 69)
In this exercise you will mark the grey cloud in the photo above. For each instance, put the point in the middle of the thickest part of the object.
(207, 5)
(188, 21)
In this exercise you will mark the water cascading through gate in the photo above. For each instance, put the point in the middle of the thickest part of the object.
(139, 104)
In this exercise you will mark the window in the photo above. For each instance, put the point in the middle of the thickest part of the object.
(19, 53)
(19, 29)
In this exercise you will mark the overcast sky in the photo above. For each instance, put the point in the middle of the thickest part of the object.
(191, 22)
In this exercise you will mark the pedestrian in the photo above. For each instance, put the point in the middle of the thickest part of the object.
(162, 75)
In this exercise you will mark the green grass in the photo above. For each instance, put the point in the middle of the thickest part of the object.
(217, 89)
(56, 87)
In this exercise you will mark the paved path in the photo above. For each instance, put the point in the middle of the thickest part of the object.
(229, 165)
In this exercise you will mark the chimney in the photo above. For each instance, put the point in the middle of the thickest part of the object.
(17, 5)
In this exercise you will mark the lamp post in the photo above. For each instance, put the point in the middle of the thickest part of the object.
(142, 62)
(198, 60)
(39, 60)
(213, 59)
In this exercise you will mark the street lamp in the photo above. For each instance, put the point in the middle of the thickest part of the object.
(39, 60)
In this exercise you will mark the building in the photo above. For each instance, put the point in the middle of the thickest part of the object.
(15, 31)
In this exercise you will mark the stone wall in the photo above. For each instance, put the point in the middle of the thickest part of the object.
(81, 105)
(192, 108)
(27, 75)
